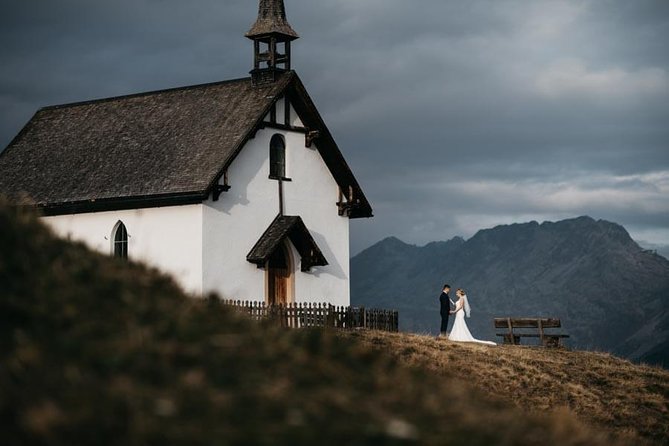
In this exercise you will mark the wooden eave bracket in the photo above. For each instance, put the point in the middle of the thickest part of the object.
(220, 188)
(347, 209)
(308, 262)
(347, 204)
(310, 137)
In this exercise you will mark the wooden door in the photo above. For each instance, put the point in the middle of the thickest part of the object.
(278, 270)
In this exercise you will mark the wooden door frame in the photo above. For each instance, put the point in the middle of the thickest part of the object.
(290, 286)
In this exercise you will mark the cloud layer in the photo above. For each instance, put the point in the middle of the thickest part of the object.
(454, 115)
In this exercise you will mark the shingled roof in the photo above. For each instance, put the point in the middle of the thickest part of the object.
(271, 20)
(292, 228)
(166, 147)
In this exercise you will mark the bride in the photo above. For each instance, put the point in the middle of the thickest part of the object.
(460, 332)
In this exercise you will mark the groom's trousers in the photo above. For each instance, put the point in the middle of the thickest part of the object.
(444, 323)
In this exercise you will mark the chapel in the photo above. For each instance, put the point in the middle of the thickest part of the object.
(235, 187)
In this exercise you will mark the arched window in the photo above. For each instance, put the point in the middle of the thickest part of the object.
(120, 241)
(277, 157)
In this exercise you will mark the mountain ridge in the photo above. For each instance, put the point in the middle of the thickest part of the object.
(588, 272)
(458, 238)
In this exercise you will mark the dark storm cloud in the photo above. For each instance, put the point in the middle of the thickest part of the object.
(455, 115)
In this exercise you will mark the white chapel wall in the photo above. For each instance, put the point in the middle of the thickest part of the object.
(205, 246)
(233, 224)
(169, 238)
(313, 195)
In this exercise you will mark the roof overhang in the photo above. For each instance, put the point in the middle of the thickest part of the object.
(113, 204)
(292, 228)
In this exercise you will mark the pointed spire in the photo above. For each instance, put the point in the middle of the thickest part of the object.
(272, 20)
(272, 36)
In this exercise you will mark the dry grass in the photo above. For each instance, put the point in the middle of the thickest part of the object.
(604, 391)
(95, 351)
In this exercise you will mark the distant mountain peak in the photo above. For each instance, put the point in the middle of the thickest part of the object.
(588, 272)
(388, 245)
(581, 219)
(457, 240)
(392, 240)
(588, 225)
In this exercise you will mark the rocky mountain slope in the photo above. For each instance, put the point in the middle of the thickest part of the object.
(610, 293)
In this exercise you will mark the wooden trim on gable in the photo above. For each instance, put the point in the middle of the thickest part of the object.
(251, 132)
(315, 128)
(358, 206)
(286, 110)
(288, 128)
(272, 113)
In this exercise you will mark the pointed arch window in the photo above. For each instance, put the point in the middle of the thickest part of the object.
(120, 241)
(277, 157)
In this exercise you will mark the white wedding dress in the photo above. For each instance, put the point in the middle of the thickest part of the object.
(460, 331)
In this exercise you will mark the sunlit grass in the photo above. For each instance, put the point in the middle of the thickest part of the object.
(602, 390)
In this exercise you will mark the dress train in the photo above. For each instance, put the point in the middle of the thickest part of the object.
(460, 332)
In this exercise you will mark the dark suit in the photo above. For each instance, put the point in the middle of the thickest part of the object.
(444, 311)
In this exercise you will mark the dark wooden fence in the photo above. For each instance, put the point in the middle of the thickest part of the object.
(299, 315)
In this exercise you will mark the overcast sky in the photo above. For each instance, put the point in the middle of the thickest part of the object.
(454, 115)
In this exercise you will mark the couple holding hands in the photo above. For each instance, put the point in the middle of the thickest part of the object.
(459, 331)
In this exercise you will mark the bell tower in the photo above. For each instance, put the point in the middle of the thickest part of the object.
(272, 36)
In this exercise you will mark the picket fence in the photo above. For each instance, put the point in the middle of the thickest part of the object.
(301, 315)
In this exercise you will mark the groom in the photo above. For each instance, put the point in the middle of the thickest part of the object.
(444, 308)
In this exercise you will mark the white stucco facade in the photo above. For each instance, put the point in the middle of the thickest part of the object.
(233, 224)
(204, 246)
(169, 238)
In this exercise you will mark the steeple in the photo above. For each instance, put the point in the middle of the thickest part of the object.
(271, 35)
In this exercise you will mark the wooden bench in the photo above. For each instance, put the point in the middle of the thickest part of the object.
(537, 325)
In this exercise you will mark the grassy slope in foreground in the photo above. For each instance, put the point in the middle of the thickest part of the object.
(603, 390)
(94, 351)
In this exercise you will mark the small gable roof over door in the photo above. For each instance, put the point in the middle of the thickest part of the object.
(151, 149)
(292, 228)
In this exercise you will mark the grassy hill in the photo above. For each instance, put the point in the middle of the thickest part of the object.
(604, 391)
(96, 351)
